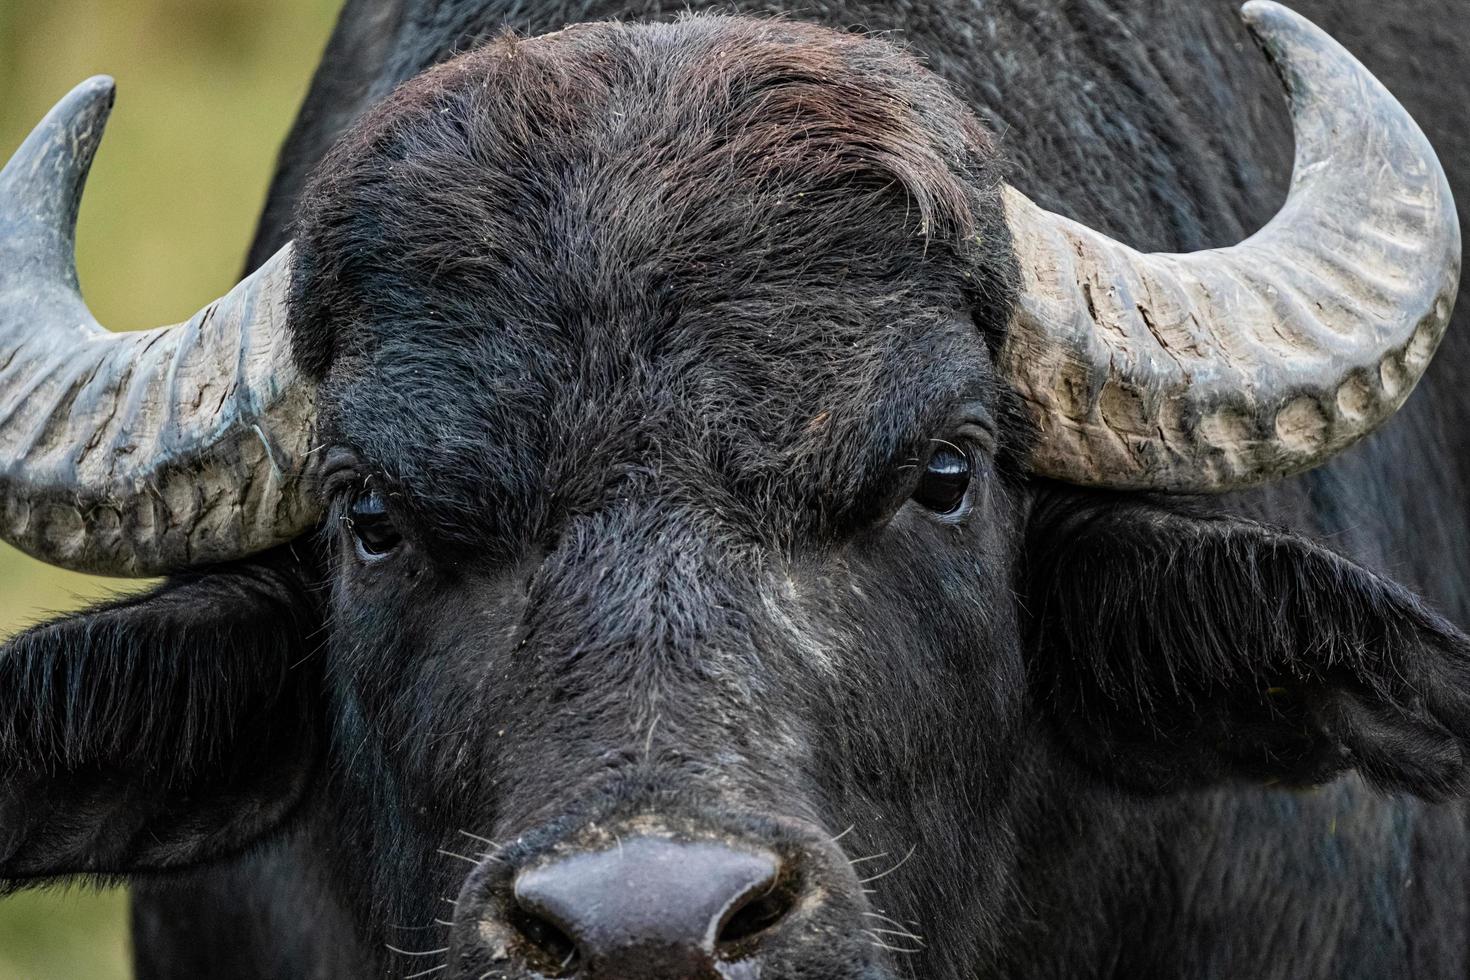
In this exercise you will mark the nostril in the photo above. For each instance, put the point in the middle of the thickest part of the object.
(553, 953)
(756, 913)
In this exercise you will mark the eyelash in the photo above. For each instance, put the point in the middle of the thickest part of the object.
(370, 522)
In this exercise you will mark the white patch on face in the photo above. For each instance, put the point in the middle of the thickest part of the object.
(784, 612)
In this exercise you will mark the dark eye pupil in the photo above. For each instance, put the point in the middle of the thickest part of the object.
(372, 526)
(944, 483)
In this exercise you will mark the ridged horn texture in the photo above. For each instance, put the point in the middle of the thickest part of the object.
(136, 454)
(1211, 371)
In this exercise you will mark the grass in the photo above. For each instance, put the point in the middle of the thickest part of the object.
(206, 92)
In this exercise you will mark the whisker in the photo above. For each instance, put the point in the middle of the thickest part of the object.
(893, 922)
(890, 871)
(468, 860)
(409, 952)
(875, 941)
(424, 973)
(844, 833)
(895, 932)
(870, 857)
(482, 840)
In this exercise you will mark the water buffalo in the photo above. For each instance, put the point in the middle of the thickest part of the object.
(674, 498)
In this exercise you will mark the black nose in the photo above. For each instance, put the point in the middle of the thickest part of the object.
(651, 908)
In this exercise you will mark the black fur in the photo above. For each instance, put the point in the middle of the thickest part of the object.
(161, 731)
(1182, 650)
(645, 334)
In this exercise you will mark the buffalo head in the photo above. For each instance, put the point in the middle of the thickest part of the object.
(677, 405)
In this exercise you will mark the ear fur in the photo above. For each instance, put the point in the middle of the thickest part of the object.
(1179, 650)
(158, 731)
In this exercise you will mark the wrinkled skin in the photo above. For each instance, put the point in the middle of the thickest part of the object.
(654, 425)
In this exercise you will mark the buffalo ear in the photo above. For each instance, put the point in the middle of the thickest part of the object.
(1177, 650)
(158, 731)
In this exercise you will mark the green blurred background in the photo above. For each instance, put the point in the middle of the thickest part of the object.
(206, 92)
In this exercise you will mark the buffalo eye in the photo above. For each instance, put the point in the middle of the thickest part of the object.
(372, 526)
(946, 480)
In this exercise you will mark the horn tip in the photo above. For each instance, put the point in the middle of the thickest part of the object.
(98, 83)
(1262, 12)
(1275, 25)
(1254, 9)
(99, 89)
(64, 143)
(84, 110)
(41, 186)
(86, 105)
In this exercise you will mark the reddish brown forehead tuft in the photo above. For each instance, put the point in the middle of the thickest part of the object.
(648, 158)
(765, 99)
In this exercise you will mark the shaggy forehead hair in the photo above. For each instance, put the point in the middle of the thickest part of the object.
(764, 222)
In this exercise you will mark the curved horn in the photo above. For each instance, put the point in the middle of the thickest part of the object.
(1214, 370)
(140, 453)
